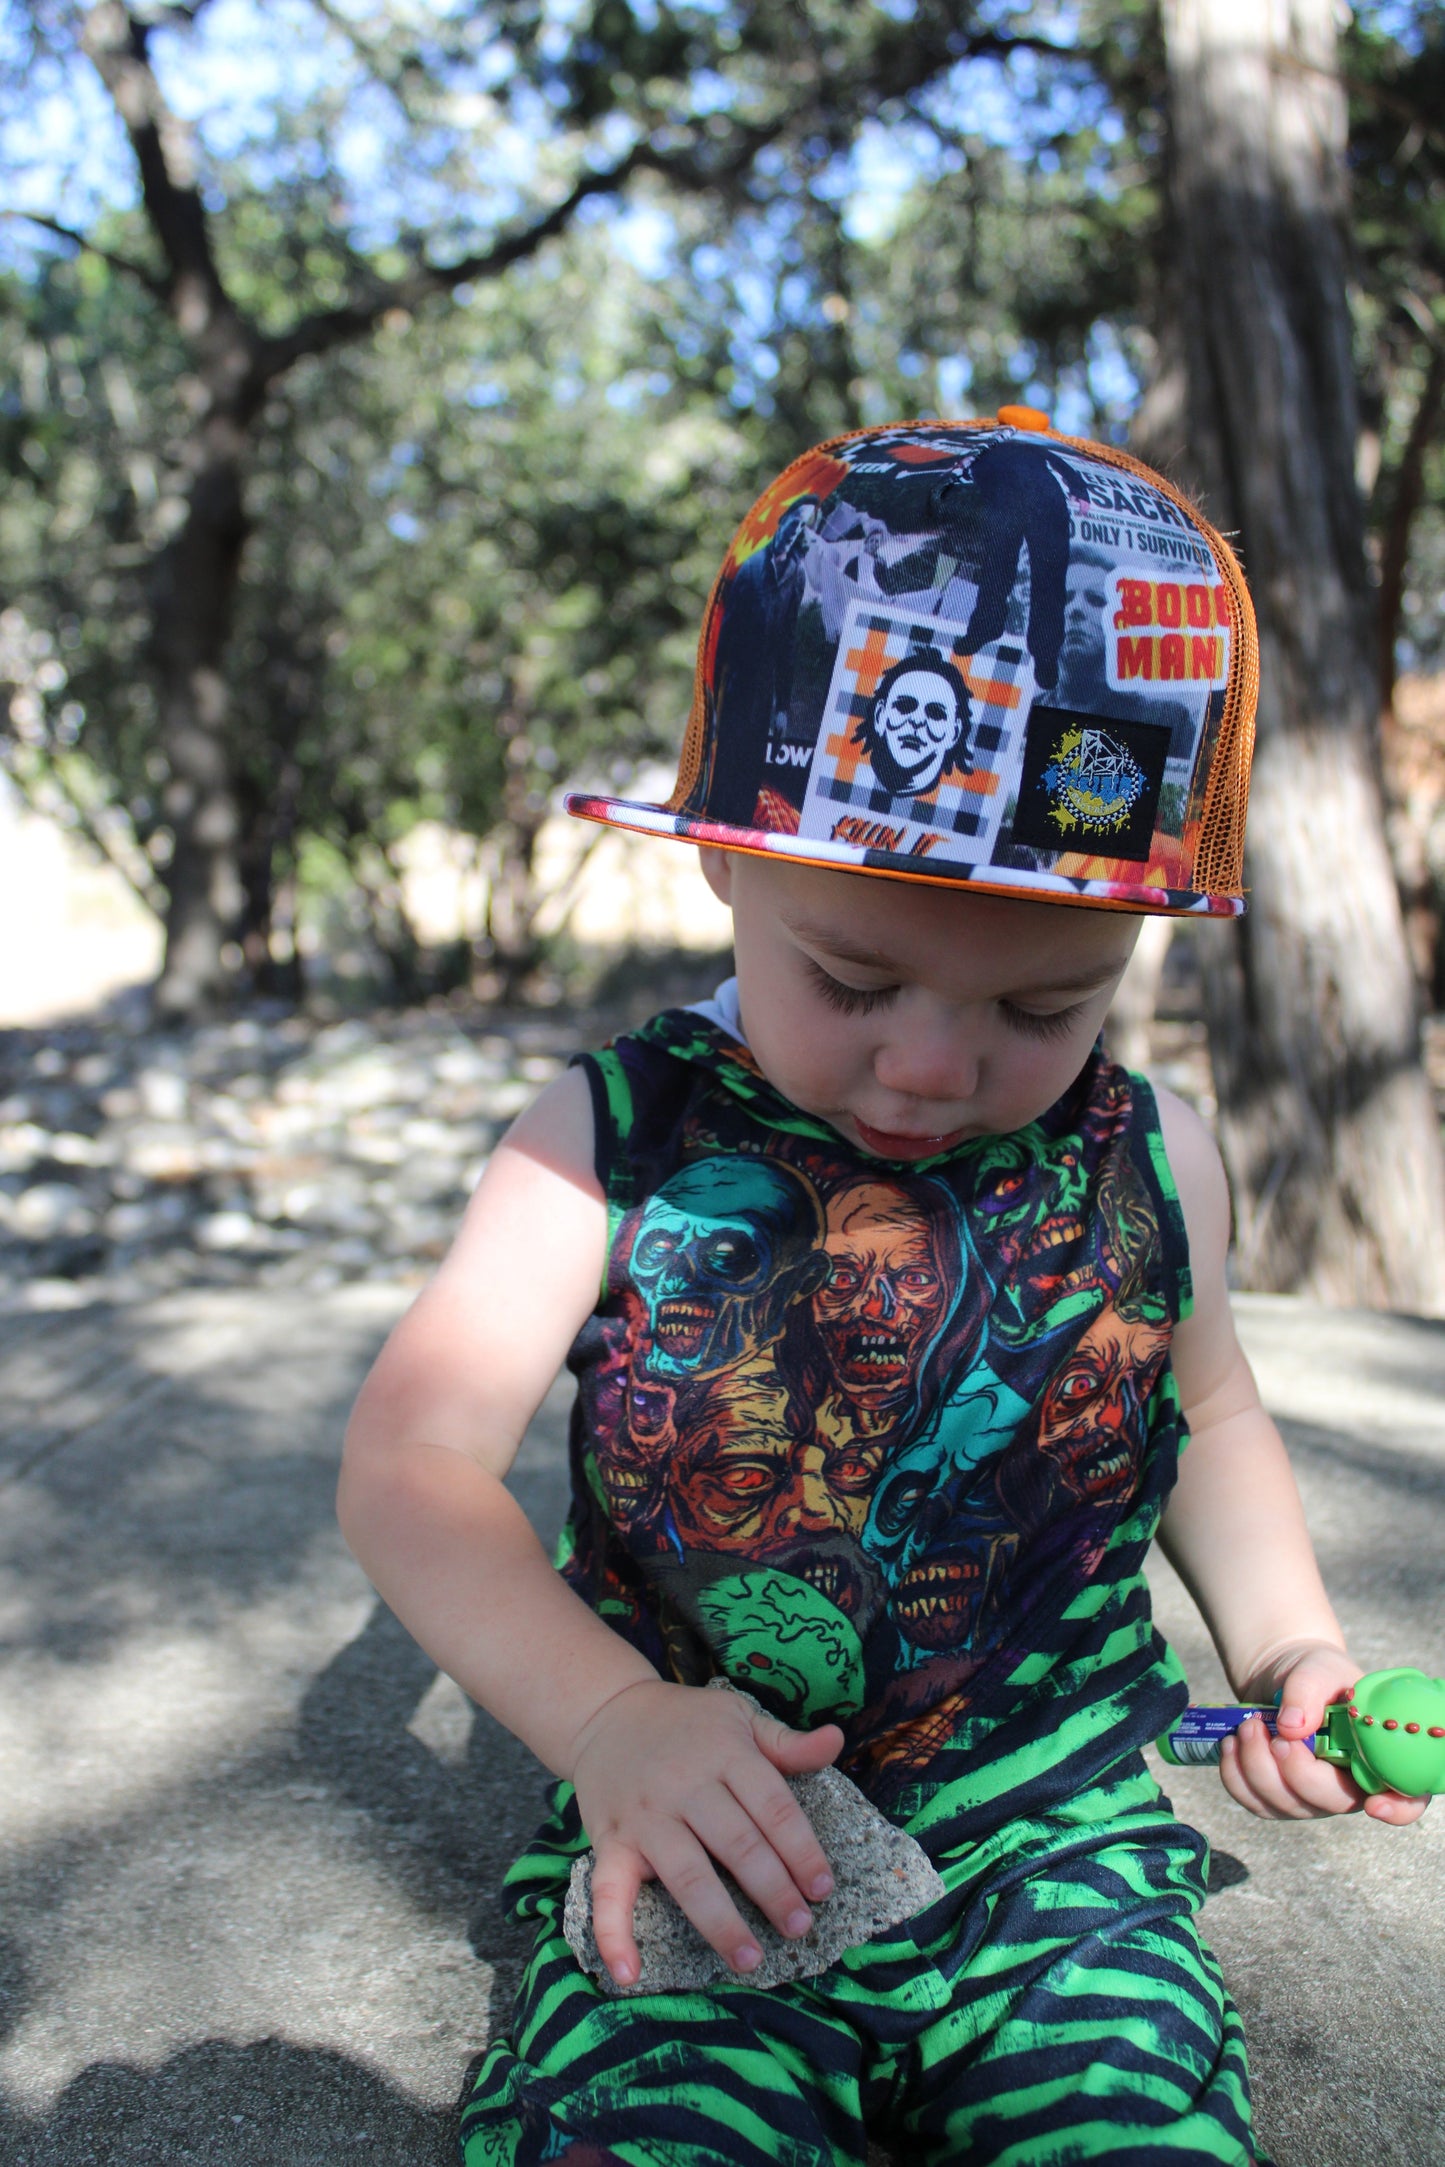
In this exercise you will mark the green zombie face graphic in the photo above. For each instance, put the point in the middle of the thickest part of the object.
(1035, 1224)
(721, 1253)
(780, 1639)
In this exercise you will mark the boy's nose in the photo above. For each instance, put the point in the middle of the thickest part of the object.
(936, 1061)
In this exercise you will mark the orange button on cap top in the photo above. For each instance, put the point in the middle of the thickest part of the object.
(1025, 417)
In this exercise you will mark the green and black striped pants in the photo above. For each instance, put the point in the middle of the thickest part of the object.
(1057, 2005)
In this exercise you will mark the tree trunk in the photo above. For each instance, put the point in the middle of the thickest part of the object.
(513, 949)
(196, 586)
(1129, 1025)
(1326, 1118)
(1408, 809)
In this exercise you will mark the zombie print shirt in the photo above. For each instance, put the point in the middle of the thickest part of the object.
(862, 1436)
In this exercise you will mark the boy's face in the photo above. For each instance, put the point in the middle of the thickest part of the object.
(913, 1018)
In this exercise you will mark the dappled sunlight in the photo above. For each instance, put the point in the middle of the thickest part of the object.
(252, 1842)
(1377, 1376)
(267, 1920)
(162, 1706)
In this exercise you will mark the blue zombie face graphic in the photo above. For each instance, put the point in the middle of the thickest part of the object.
(722, 1252)
(937, 1554)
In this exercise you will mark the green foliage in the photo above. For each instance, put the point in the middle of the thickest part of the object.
(481, 547)
(91, 424)
(481, 531)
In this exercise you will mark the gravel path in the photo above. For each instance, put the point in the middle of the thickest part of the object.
(288, 1151)
(279, 1152)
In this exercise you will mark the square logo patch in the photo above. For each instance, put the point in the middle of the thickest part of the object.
(920, 738)
(1090, 784)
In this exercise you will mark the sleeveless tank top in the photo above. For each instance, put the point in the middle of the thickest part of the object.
(882, 1443)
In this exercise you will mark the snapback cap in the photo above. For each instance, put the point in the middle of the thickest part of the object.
(976, 653)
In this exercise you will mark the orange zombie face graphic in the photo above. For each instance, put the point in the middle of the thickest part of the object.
(799, 1502)
(1091, 1413)
(886, 1295)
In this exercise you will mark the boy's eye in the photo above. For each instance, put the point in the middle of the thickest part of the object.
(1035, 1023)
(851, 1000)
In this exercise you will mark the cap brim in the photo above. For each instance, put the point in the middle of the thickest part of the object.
(1022, 884)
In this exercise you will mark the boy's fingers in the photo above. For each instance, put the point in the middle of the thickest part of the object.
(1395, 1808)
(733, 1837)
(617, 1875)
(1282, 1780)
(797, 1750)
(772, 1808)
(683, 1866)
(1259, 1783)
(1315, 1786)
(1235, 1780)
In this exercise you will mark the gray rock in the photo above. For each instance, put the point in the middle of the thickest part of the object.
(881, 1877)
(226, 1230)
(49, 1209)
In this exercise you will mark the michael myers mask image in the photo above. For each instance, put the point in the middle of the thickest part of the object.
(917, 727)
(722, 1252)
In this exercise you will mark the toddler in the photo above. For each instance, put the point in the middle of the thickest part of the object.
(891, 1303)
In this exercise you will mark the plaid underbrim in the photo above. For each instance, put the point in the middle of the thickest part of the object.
(1024, 885)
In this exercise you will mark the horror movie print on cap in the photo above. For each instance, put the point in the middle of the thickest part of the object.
(976, 653)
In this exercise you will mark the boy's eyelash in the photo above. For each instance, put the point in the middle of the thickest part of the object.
(851, 1000)
(857, 1000)
(1035, 1024)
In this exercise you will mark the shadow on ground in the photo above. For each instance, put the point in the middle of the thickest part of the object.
(268, 2104)
(253, 1843)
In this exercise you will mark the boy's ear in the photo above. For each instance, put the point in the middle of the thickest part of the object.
(717, 871)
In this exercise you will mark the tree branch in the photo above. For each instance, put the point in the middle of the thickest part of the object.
(116, 41)
(327, 328)
(148, 279)
(41, 782)
(1424, 320)
(694, 165)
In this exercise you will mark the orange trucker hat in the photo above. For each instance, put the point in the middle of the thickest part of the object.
(977, 653)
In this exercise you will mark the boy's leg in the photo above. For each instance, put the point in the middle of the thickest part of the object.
(1088, 2021)
(733, 2077)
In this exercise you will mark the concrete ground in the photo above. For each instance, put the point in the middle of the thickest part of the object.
(250, 1841)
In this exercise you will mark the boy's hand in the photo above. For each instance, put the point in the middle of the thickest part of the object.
(1279, 1778)
(669, 1778)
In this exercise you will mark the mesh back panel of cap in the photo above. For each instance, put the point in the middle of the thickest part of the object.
(1218, 867)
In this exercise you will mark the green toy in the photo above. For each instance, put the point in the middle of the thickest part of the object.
(1390, 1733)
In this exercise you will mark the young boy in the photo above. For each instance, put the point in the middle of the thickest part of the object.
(907, 1300)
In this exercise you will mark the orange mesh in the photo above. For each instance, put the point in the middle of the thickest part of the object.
(1218, 867)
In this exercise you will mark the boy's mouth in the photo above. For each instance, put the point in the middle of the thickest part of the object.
(888, 1144)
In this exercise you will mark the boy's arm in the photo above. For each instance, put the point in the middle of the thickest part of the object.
(1235, 1528)
(665, 1775)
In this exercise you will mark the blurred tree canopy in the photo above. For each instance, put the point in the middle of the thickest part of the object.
(297, 182)
(380, 379)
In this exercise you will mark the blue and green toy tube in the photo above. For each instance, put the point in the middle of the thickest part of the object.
(1389, 1734)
